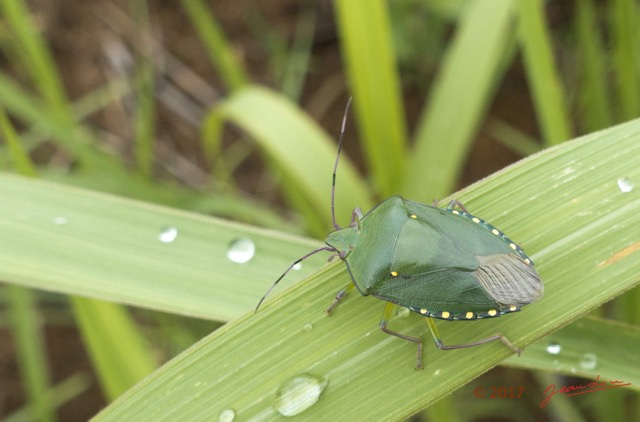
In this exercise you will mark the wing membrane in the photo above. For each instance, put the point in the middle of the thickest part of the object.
(508, 279)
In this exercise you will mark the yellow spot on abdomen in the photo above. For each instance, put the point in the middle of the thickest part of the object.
(512, 308)
(413, 216)
(394, 274)
(446, 314)
(424, 311)
(475, 219)
(492, 312)
(469, 315)
(495, 231)
(513, 246)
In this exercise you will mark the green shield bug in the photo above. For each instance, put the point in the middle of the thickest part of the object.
(439, 262)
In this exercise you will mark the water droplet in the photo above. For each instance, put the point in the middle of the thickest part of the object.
(307, 327)
(59, 221)
(402, 312)
(625, 184)
(437, 372)
(298, 394)
(168, 234)
(297, 267)
(554, 348)
(227, 415)
(241, 250)
(588, 361)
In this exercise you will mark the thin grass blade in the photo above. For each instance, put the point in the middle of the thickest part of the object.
(365, 33)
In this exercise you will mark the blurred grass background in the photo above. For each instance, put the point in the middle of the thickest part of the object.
(135, 98)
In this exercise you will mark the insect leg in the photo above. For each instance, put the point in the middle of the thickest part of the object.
(437, 339)
(341, 295)
(455, 203)
(386, 315)
(356, 215)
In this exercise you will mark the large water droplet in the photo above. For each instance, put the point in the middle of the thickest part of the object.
(308, 326)
(241, 250)
(297, 267)
(227, 415)
(625, 184)
(588, 361)
(168, 234)
(298, 394)
(554, 348)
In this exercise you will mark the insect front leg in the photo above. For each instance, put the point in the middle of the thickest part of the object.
(341, 295)
(438, 340)
(356, 215)
(455, 203)
(386, 315)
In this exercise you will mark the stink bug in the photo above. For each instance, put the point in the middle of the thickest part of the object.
(439, 263)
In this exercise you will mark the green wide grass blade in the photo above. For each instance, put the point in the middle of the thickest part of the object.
(78, 242)
(574, 210)
(459, 98)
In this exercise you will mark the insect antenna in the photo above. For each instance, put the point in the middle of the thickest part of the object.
(325, 248)
(333, 208)
(335, 166)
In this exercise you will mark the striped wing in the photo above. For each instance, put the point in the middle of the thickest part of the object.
(508, 279)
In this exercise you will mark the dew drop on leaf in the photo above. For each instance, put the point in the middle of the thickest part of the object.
(227, 415)
(241, 250)
(588, 361)
(298, 394)
(59, 221)
(625, 185)
(554, 348)
(168, 234)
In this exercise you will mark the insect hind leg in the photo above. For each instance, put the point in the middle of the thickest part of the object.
(386, 315)
(438, 340)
